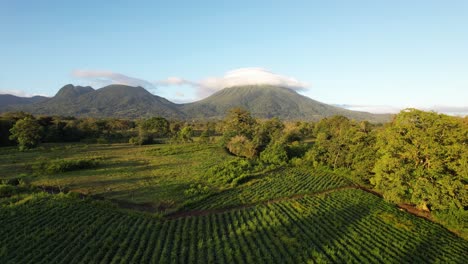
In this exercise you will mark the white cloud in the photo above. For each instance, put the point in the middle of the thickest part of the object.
(242, 76)
(174, 81)
(102, 78)
(203, 87)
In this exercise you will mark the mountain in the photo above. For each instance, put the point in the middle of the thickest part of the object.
(70, 91)
(266, 101)
(263, 101)
(109, 101)
(7, 100)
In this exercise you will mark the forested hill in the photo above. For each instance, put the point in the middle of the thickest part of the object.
(7, 100)
(110, 101)
(263, 101)
(266, 101)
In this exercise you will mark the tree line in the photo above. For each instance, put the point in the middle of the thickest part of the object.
(27, 131)
(420, 158)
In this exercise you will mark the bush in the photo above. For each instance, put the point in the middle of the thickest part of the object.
(241, 146)
(10, 190)
(454, 218)
(196, 189)
(60, 165)
(230, 170)
(274, 154)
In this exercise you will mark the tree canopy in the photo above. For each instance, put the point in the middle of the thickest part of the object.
(27, 132)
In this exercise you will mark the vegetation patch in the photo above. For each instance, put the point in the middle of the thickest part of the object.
(396, 221)
(63, 165)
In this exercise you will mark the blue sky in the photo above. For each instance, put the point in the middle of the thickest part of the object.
(360, 53)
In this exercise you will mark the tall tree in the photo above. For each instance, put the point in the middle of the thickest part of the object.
(423, 160)
(27, 132)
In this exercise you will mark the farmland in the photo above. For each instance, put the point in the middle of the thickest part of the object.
(155, 174)
(286, 215)
(349, 226)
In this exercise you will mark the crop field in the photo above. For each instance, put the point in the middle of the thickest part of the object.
(288, 215)
(282, 183)
(348, 226)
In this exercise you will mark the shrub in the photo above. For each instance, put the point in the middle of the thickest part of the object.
(61, 165)
(274, 154)
(241, 146)
(196, 189)
(230, 170)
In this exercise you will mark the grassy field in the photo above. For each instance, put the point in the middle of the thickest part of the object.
(289, 215)
(156, 175)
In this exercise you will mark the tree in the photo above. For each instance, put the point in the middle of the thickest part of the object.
(239, 130)
(185, 134)
(148, 129)
(270, 130)
(240, 122)
(332, 142)
(157, 126)
(423, 160)
(343, 143)
(27, 132)
(275, 154)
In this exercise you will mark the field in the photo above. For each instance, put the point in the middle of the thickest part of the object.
(349, 226)
(153, 175)
(273, 185)
(289, 215)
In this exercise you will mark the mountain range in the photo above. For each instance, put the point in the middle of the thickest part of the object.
(263, 101)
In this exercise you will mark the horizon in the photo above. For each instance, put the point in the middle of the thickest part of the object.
(362, 55)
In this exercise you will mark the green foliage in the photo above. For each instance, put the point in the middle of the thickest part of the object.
(296, 149)
(266, 132)
(241, 146)
(275, 154)
(230, 170)
(151, 129)
(197, 189)
(158, 126)
(239, 122)
(342, 143)
(274, 184)
(423, 160)
(27, 132)
(205, 136)
(185, 134)
(340, 227)
(62, 165)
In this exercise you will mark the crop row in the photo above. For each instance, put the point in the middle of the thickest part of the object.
(349, 226)
(283, 183)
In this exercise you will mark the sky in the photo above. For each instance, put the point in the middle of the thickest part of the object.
(365, 55)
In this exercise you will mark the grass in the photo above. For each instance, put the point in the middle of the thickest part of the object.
(157, 174)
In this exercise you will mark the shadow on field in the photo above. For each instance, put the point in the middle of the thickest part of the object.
(295, 237)
(431, 248)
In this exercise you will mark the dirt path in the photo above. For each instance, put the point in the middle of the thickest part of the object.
(406, 207)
